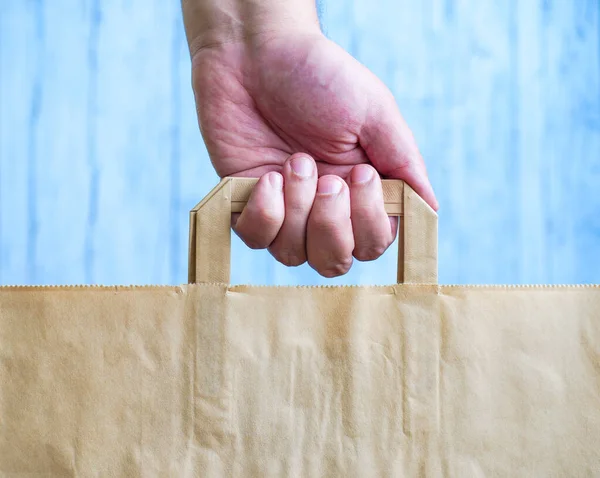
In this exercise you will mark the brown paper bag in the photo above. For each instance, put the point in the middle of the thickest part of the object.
(211, 380)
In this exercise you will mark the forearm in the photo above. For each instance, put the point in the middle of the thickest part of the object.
(214, 22)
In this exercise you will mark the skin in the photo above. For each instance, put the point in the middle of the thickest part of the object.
(279, 101)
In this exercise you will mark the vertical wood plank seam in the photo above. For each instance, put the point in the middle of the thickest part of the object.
(94, 167)
(32, 147)
(515, 139)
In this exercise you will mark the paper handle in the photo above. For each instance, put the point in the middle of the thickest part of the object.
(210, 232)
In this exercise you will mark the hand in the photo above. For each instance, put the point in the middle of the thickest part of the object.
(319, 129)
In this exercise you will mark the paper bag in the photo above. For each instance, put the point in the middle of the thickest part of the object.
(210, 380)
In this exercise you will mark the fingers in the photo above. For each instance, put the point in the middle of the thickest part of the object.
(300, 184)
(371, 226)
(301, 217)
(391, 148)
(262, 218)
(330, 241)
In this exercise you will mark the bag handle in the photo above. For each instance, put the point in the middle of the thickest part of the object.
(210, 232)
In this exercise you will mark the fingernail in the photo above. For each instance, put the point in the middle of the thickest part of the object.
(276, 181)
(329, 185)
(361, 174)
(302, 166)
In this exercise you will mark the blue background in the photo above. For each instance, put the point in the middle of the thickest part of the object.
(101, 157)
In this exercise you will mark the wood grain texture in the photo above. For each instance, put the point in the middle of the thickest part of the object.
(101, 157)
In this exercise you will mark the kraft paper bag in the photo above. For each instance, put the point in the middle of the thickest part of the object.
(207, 379)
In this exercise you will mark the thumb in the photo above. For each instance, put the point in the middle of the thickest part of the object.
(391, 148)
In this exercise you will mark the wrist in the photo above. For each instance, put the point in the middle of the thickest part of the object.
(215, 22)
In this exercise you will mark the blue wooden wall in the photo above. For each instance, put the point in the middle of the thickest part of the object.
(101, 157)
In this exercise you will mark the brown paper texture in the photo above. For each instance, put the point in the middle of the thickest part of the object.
(212, 380)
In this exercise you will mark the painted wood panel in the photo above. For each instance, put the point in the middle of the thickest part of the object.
(101, 157)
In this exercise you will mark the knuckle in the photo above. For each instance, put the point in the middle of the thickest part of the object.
(325, 224)
(367, 212)
(369, 252)
(254, 242)
(335, 268)
(268, 216)
(253, 237)
(289, 257)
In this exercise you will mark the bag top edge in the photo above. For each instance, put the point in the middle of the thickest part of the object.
(234, 287)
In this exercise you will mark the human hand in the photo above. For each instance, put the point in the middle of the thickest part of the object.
(318, 128)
